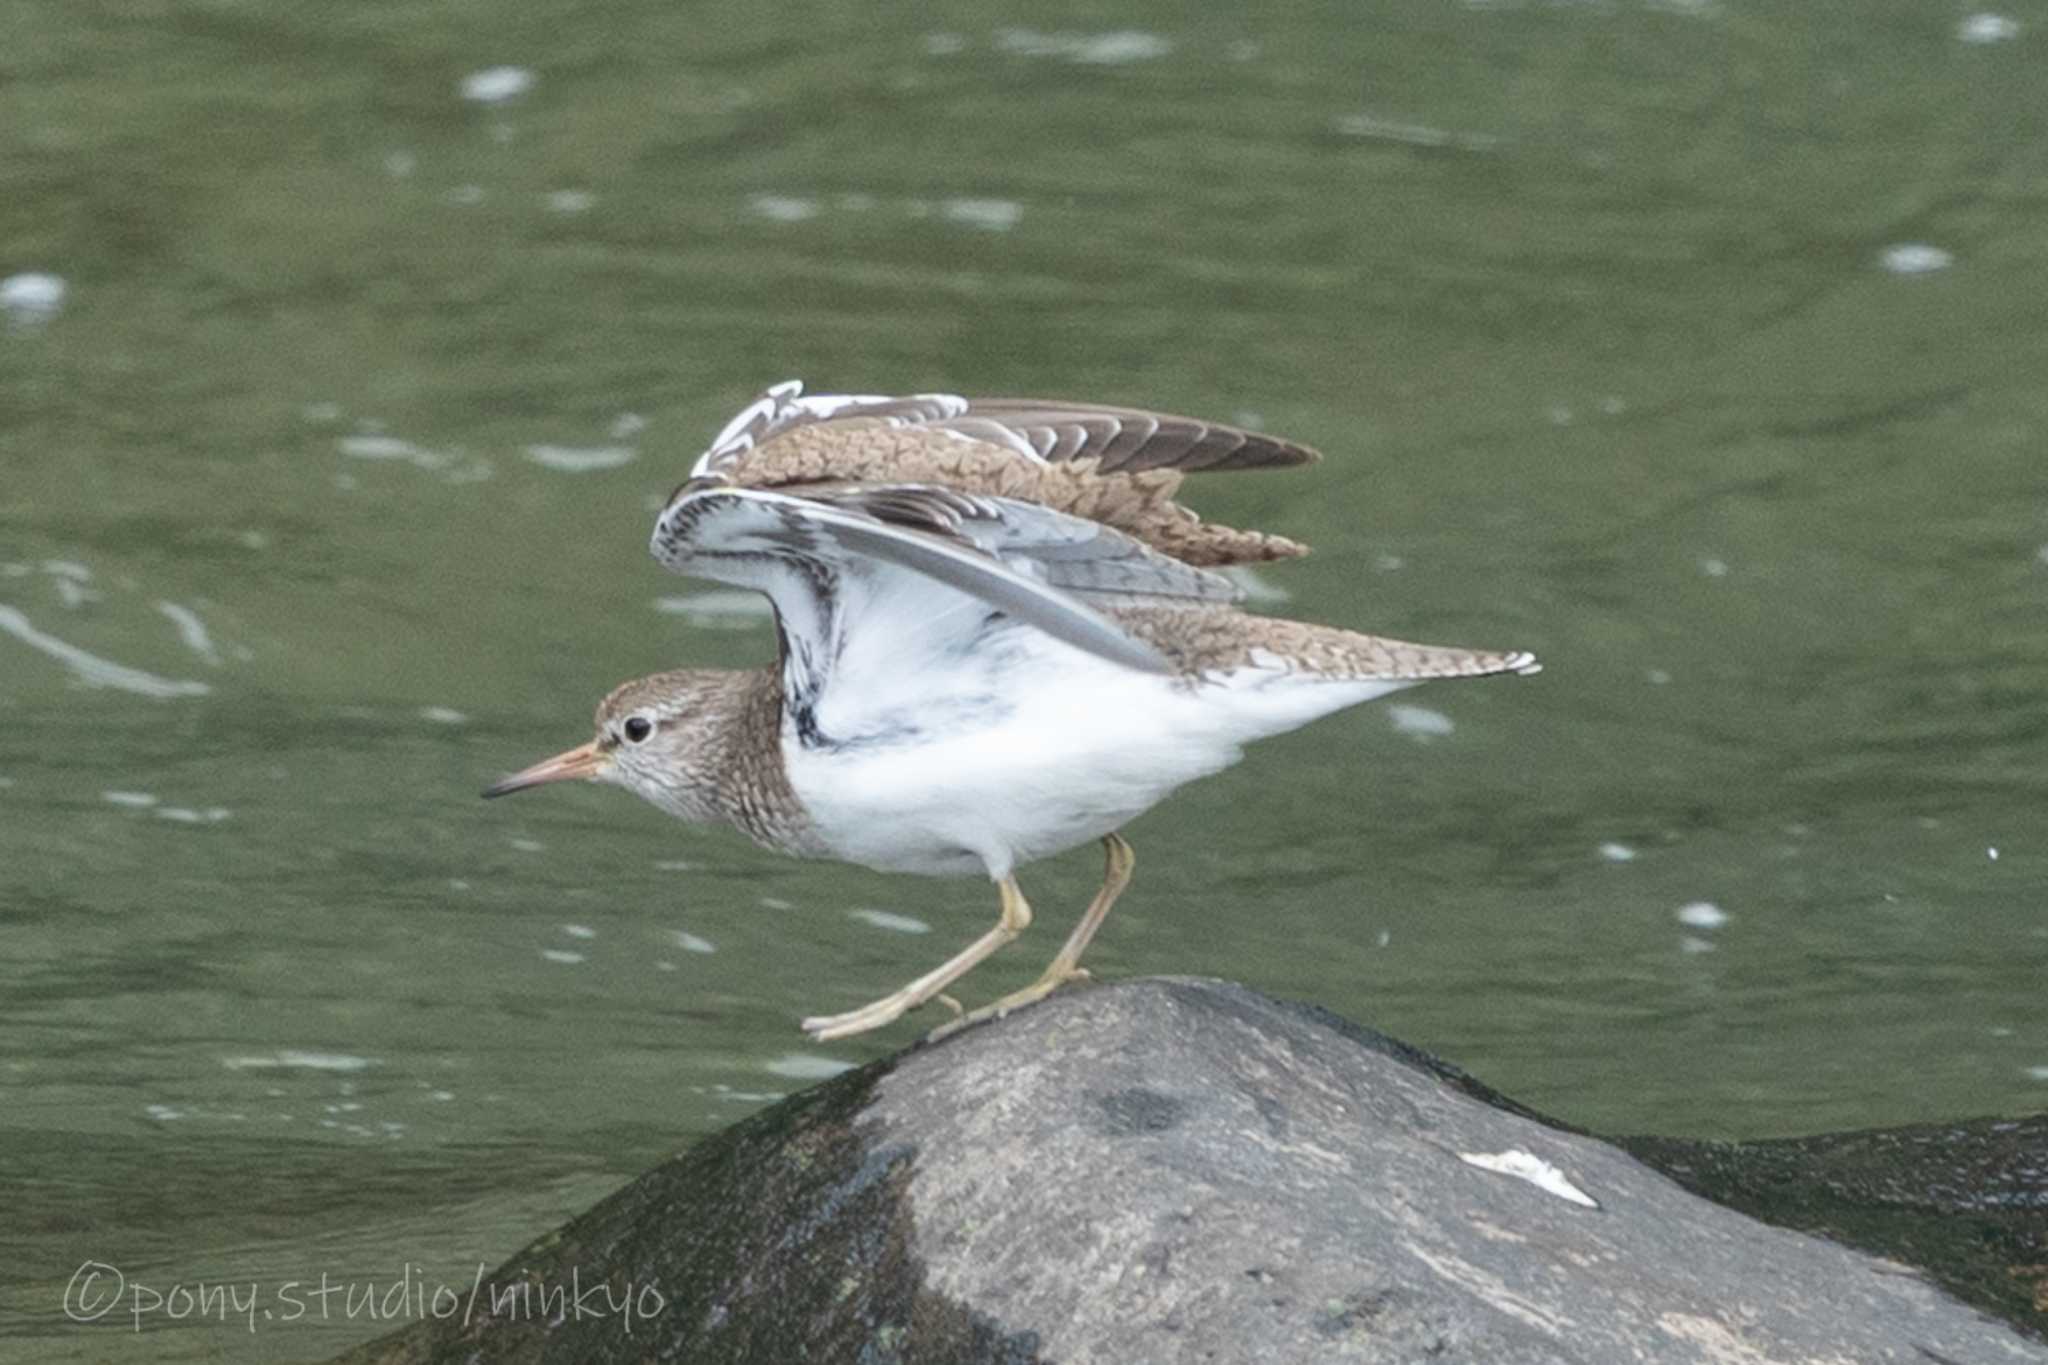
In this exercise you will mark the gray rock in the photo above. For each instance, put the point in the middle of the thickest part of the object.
(1173, 1170)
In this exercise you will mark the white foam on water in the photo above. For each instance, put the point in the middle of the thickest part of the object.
(191, 630)
(719, 609)
(399, 165)
(783, 208)
(807, 1066)
(1701, 915)
(1992, 853)
(443, 715)
(1692, 943)
(675, 865)
(299, 1058)
(527, 845)
(943, 44)
(1915, 258)
(561, 956)
(467, 195)
(1534, 1169)
(1419, 722)
(372, 446)
(163, 1113)
(497, 84)
(1714, 568)
(579, 931)
(32, 297)
(1376, 129)
(2037, 1073)
(990, 215)
(322, 413)
(571, 201)
(1617, 853)
(776, 903)
(628, 424)
(1089, 49)
(1255, 586)
(580, 459)
(132, 800)
(691, 943)
(1986, 27)
(73, 594)
(94, 671)
(883, 919)
(1656, 676)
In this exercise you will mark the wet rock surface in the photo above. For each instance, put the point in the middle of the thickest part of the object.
(1174, 1170)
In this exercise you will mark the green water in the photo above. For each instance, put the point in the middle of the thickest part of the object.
(1589, 305)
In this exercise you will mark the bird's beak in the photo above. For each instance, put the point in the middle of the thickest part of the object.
(585, 761)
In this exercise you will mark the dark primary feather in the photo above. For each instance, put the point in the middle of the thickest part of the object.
(1122, 439)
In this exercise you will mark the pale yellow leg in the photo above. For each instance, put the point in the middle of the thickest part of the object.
(1016, 917)
(1065, 967)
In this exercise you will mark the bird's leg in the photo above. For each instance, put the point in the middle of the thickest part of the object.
(1016, 917)
(1116, 875)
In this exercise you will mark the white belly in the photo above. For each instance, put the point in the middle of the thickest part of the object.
(1052, 752)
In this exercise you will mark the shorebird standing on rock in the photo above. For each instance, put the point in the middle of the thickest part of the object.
(1001, 638)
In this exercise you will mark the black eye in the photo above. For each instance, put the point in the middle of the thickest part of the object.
(637, 729)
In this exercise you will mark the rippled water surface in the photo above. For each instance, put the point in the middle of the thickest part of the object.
(344, 350)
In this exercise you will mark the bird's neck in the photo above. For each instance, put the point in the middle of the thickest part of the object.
(740, 780)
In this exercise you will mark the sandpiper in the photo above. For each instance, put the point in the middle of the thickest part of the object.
(1001, 638)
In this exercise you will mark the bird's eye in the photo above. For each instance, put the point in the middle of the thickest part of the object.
(637, 729)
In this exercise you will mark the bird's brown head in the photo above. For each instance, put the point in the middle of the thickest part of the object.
(641, 741)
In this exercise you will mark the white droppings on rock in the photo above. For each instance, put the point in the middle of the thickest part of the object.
(1420, 722)
(1979, 29)
(1617, 853)
(783, 208)
(497, 84)
(1534, 1169)
(580, 459)
(1702, 915)
(1915, 258)
(883, 919)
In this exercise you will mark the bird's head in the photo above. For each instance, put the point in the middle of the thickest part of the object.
(644, 743)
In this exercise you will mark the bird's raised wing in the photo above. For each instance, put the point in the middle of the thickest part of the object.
(1047, 431)
(879, 588)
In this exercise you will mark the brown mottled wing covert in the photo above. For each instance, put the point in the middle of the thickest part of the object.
(1125, 439)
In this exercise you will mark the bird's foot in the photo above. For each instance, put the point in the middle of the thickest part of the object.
(1015, 1000)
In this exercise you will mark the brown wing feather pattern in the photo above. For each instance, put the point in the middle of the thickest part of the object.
(1138, 502)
